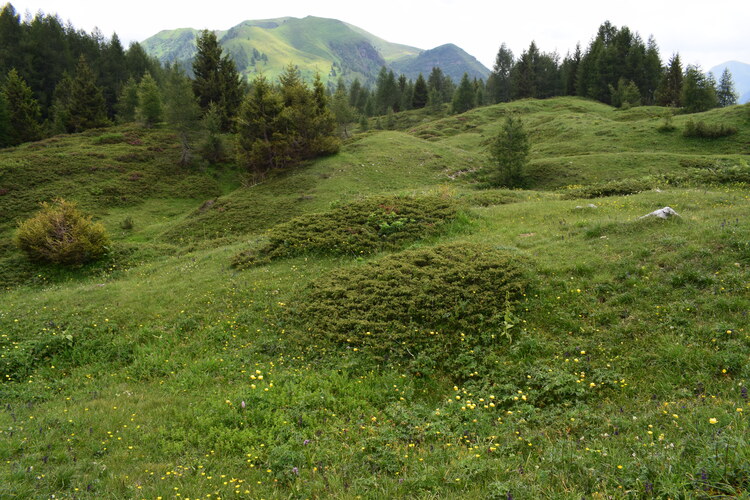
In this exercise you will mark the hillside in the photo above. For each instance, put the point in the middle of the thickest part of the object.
(317, 45)
(387, 330)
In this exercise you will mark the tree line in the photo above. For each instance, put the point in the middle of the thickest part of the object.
(618, 68)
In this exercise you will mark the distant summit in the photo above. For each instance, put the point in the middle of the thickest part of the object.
(740, 75)
(329, 47)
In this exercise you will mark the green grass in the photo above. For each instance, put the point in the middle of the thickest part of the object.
(624, 367)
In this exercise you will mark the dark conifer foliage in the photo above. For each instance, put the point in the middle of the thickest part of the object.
(216, 79)
(43, 51)
(23, 110)
(419, 99)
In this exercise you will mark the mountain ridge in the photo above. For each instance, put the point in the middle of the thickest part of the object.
(329, 47)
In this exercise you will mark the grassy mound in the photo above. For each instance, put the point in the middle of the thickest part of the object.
(714, 175)
(433, 305)
(363, 227)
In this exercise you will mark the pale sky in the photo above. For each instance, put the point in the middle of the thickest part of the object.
(704, 33)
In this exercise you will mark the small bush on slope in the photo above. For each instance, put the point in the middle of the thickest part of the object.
(363, 227)
(433, 306)
(61, 234)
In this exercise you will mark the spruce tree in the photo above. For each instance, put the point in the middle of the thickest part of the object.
(127, 104)
(669, 92)
(342, 110)
(261, 140)
(114, 72)
(498, 84)
(419, 99)
(23, 110)
(4, 121)
(698, 91)
(86, 105)
(216, 79)
(464, 98)
(150, 110)
(509, 152)
(726, 92)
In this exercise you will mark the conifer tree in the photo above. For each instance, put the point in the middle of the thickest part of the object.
(342, 110)
(86, 105)
(150, 109)
(698, 91)
(726, 92)
(669, 92)
(498, 83)
(464, 98)
(114, 72)
(509, 152)
(23, 110)
(137, 62)
(127, 104)
(261, 141)
(4, 122)
(419, 99)
(11, 34)
(216, 79)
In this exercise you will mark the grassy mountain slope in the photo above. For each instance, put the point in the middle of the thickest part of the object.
(453, 60)
(622, 372)
(317, 45)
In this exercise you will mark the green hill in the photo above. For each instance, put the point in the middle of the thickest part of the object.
(326, 46)
(484, 343)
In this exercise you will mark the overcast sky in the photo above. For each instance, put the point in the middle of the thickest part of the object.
(704, 33)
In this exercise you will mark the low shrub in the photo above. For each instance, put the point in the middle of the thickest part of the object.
(61, 234)
(432, 306)
(703, 130)
(360, 228)
(720, 174)
(110, 138)
(611, 188)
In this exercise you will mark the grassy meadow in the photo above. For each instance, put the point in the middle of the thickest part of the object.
(444, 341)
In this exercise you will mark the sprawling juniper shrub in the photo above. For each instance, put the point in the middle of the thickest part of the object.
(432, 306)
(359, 228)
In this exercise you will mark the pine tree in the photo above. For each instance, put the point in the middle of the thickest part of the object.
(212, 146)
(509, 152)
(86, 105)
(419, 99)
(4, 121)
(114, 72)
(386, 91)
(726, 92)
(342, 110)
(464, 98)
(261, 140)
(669, 92)
(137, 62)
(498, 83)
(216, 79)
(206, 82)
(11, 35)
(626, 94)
(698, 91)
(150, 109)
(23, 110)
(127, 104)
(181, 109)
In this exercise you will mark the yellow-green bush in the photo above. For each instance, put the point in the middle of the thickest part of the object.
(59, 233)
